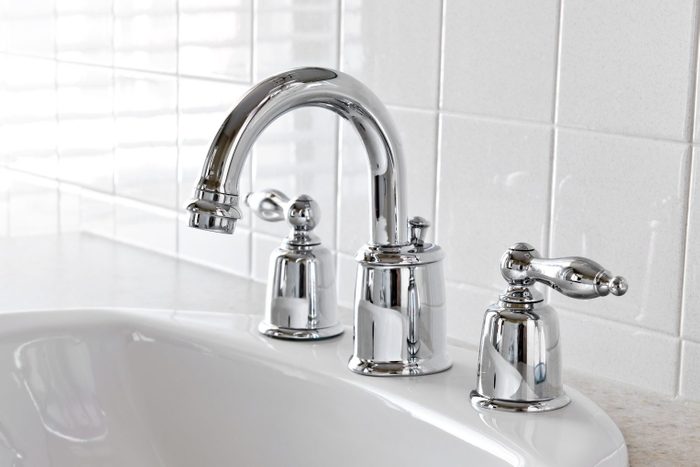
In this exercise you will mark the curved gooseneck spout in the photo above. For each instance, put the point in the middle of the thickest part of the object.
(215, 206)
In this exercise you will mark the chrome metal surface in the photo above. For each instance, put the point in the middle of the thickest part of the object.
(400, 315)
(400, 295)
(519, 355)
(304, 87)
(300, 302)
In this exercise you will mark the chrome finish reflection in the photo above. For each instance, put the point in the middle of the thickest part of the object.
(301, 302)
(520, 366)
(400, 297)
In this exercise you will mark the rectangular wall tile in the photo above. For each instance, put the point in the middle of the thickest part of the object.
(85, 31)
(494, 184)
(263, 245)
(215, 38)
(500, 58)
(619, 352)
(28, 27)
(690, 371)
(145, 155)
(230, 253)
(621, 201)
(417, 130)
(466, 305)
(295, 33)
(145, 35)
(145, 226)
(625, 66)
(691, 292)
(378, 39)
(86, 126)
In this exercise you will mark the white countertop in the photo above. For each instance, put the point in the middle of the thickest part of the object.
(84, 271)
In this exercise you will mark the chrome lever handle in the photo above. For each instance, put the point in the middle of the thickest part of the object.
(269, 205)
(574, 276)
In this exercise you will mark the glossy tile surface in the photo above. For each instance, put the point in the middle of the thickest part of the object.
(608, 206)
(377, 43)
(214, 38)
(500, 58)
(643, 87)
(494, 182)
(295, 33)
(690, 373)
(691, 294)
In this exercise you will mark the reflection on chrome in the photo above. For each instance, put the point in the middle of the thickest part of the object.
(400, 294)
(58, 376)
(519, 357)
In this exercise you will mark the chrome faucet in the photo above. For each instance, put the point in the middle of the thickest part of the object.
(519, 366)
(399, 309)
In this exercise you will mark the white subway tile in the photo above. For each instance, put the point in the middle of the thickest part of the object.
(625, 66)
(28, 27)
(230, 253)
(145, 156)
(295, 33)
(500, 58)
(145, 226)
(86, 126)
(417, 130)
(621, 202)
(493, 192)
(32, 205)
(97, 213)
(215, 39)
(690, 371)
(84, 31)
(346, 280)
(145, 35)
(297, 154)
(466, 305)
(620, 352)
(691, 292)
(394, 48)
(263, 245)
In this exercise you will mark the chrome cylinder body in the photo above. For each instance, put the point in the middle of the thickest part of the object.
(400, 313)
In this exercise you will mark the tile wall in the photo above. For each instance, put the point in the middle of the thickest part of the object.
(568, 124)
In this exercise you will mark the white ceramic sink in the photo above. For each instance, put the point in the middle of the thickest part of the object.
(155, 388)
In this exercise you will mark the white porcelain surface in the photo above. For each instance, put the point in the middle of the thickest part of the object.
(494, 182)
(624, 66)
(177, 388)
(295, 33)
(500, 58)
(214, 38)
(418, 134)
(690, 379)
(396, 55)
(608, 205)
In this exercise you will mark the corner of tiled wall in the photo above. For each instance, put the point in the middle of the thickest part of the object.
(570, 126)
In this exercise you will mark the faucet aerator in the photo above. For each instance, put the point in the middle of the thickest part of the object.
(213, 217)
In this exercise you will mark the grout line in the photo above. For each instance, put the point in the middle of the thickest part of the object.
(339, 140)
(252, 157)
(438, 124)
(549, 223)
(689, 180)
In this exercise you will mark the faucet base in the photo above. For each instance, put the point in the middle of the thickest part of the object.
(483, 402)
(270, 330)
(400, 368)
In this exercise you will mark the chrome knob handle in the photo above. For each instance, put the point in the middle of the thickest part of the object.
(418, 227)
(573, 276)
(301, 213)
